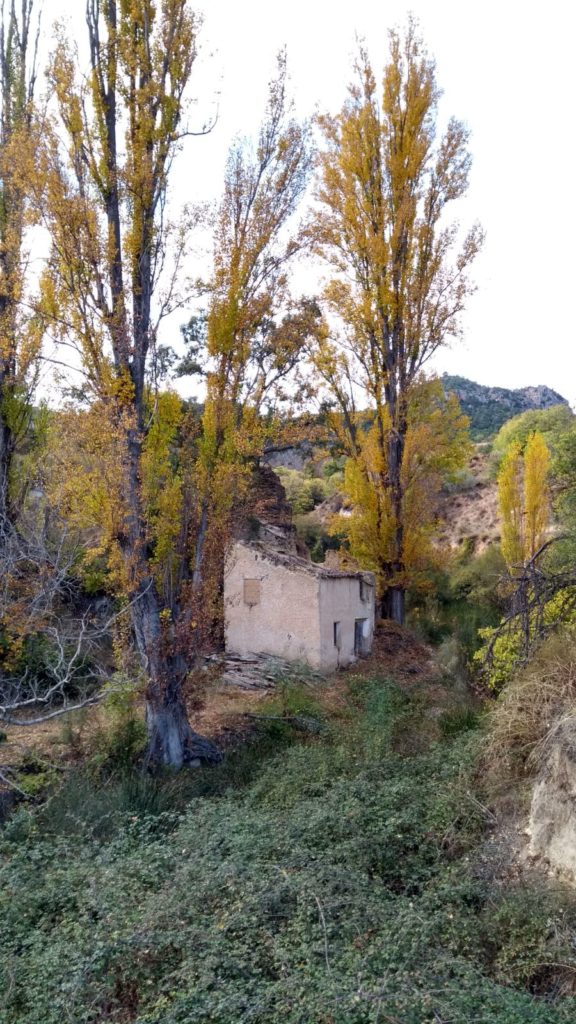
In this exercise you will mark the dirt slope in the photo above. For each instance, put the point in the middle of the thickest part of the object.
(471, 515)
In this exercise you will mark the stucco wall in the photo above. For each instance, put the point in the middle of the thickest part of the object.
(285, 622)
(296, 609)
(340, 602)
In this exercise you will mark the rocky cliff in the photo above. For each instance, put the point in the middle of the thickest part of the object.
(490, 407)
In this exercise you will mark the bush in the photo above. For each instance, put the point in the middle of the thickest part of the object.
(464, 600)
(552, 423)
(303, 492)
(316, 538)
(121, 738)
(34, 777)
(536, 697)
(335, 888)
(507, 648)
(477, 579)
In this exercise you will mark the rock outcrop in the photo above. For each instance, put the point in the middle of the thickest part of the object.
(489, 407)
(553, 812)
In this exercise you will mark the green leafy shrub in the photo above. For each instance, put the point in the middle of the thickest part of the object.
(121, 738)
(553, 423)
(477, 578)
(464, 599)
(317, 539)
(303, 492)
(35, 776)
(504, 651)
(335, 888)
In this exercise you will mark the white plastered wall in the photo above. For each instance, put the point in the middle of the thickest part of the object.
(340, 601)
(285, 621)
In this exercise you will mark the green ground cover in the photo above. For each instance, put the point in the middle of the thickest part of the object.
(335, 882)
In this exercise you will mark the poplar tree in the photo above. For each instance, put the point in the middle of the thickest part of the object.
(255, 331)
(107, 290)
(524, 500)
(20, 334)
(511, 506)
(536, 493)
(399, 281)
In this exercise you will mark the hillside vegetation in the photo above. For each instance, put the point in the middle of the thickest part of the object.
(343, 881)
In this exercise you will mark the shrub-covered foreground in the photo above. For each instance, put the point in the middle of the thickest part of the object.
(337, 886)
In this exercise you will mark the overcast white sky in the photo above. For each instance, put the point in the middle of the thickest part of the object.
(506, 69)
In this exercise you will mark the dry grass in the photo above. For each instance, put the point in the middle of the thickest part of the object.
(54, 740)
(399, 655)
(530, 707)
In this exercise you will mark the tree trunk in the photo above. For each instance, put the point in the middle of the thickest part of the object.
(171, 740)
(200, 542)
(6, 451)
(394, 604)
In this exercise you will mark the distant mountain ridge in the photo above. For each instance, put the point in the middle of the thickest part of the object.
(490, 407)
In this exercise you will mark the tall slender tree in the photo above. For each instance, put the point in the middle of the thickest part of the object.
(107, 215)
(399, 281)
(536, 492)
(524, 500)
(255, 332)
(20, 334)
(511, 505)
(437, 447)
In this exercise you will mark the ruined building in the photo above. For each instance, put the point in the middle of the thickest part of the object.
(276, 602)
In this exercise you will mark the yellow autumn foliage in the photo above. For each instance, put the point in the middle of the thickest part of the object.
(536, 492)
(398, 281)
(510, 486)
(85, 479)
(524, 499)
(437, 448)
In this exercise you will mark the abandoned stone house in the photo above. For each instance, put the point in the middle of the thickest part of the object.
(280, 604)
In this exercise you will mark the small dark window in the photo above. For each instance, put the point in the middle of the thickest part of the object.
(337, 635)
